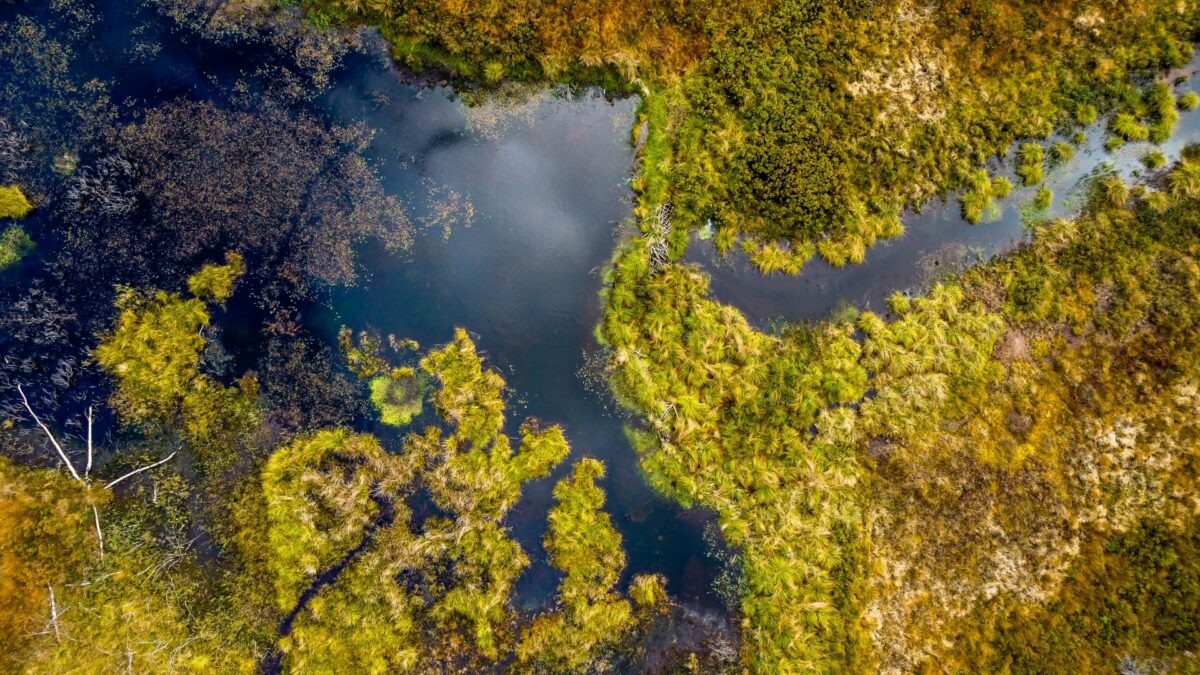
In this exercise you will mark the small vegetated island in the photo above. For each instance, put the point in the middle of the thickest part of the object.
(997, 474)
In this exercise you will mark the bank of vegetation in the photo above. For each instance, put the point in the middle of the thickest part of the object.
(947, 485)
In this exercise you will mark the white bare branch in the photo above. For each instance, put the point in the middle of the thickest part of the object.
(99, 532)
(137, 471)
(49, 435)
(54, 614)
(88, 470)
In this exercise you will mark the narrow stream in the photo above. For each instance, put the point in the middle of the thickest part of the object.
(937, 240)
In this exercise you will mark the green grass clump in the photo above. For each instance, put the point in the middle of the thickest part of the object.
(1127, 128)
(13, 202)
(1044, 198)
(1031, 160)
(982, 191)
(1154, 160)
(15, 244)
(1062, 152)
(1189, 101)
(1086, 114)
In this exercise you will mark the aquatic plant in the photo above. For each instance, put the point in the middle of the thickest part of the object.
(584, 545)
(318, 493)
(214, 283)
(1189, 101)
(979, 198)
(154, 352)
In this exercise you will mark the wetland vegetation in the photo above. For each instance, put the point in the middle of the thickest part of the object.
(211, 462)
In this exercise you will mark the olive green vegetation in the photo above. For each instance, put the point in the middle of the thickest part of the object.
(1154, 160)
(313, 532)
(154, 354)
(1045, 393)
(1127, 600)
(15, 244)
(807, 123)
(1189, 101)
(13, 202)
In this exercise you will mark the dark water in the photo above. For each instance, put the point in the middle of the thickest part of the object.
(938, 240)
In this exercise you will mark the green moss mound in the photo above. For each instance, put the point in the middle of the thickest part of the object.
(399, 396)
